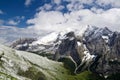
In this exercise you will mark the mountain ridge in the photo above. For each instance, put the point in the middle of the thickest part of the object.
(20, 65)
(96, 49)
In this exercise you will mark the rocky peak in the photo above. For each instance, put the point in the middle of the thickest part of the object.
(93, 32)
(22, 43)
(68, 47)
(96, 50)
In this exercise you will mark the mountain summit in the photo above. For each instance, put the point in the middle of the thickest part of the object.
(92, 48)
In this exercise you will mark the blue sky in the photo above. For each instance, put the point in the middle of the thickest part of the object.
(17, 12)
(30, 17)
(16, 8)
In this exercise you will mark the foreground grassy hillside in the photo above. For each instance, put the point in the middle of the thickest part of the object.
(19, 65)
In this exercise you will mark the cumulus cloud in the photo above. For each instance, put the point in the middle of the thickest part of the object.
(15, 20)
(45, 7)
(101, 3)
(48, 7)
(12, 22)
(95, 10)
(50, 17)
(75, 6)
(57, 1)
(112, 3)
(46, 20)
(79, 15)
(9, 34)
(28, 2)
(81, 1)
(1, 22)
(59, 8)
(56, 21)
(19, 17)
(1, 12)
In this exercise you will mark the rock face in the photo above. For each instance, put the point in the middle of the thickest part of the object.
(97, 49)
(104, 44)
(68, 47)
(22, 44)
(20, 65)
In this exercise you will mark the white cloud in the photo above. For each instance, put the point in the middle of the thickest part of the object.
(15, 20)
(56, 21)
(1, 22)
(81, 1)
(78, 17)
(1, 12)
(12, 22)
(95, 10)
(20, 17)
(60, 7)
(57, 1)
(113, 3)
(8, 34)
(45, 7)
(48, 7)
(28, 2)
(46, 20)
(74, 6)
(102, 3)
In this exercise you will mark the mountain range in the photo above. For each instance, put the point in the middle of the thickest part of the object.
(72, 52)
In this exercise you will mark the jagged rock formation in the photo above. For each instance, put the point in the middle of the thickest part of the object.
(68, 47)
(96, 50)
(101, 43)
(20, 65)
(22, 43)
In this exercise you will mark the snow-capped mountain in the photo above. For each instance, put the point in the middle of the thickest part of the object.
(91, 48)
(48, 42)
(20, 65)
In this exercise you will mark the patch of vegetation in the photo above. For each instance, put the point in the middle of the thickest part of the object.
(32, 73)
(48, 55)
(4, 76)
(68, 64)
(44, 54)
(86, 75)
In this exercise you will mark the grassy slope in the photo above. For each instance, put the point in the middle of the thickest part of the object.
(4, 76)
(39, 68)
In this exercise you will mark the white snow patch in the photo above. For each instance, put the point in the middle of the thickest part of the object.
(71, 38)
(47, 39)
(87, 56)
(62, 33)
(106, 38)
(25, 44)
(79, 44)
(52, 37)
(18, 46)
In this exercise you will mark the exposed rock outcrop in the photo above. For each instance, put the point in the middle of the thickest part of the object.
(97, 49)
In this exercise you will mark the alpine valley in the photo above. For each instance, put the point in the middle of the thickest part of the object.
(90, 53)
